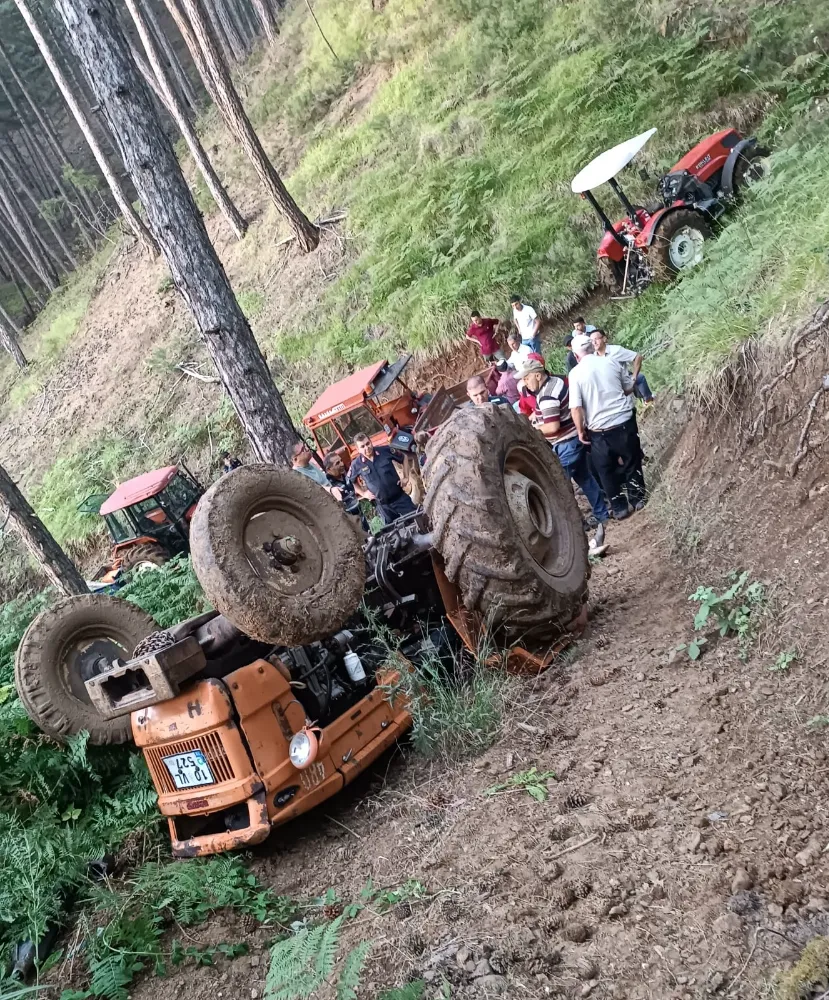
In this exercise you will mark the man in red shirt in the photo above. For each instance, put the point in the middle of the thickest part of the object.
(484, 333)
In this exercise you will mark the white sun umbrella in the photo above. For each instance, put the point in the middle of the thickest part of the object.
(607, 164)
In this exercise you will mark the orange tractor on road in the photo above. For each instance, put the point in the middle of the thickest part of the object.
(257, 712)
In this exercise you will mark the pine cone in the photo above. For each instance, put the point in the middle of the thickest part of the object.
(332, 910)
(640, 821)
(542, 959)
(415, 943)
(553, 871)
(562, 898)
(576, 932)
(403, 910)
(586, 968)
(575, 800)
(600, 677)
(582, 888)
(550, 923)
(450, 910)
(561, 832)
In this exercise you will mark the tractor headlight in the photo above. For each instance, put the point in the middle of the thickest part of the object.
(303, 749)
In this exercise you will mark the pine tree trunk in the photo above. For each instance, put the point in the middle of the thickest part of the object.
(179, 74)
(42, 119)
(53, 261)
(8, 166)
(222, 41)
(248, 23)
(121, 199)
(217, 79)
(8, 275)
(171, 102)
(235, 27)
(263, 14)
(178, 226)
(10, 261)
(9, 332)
(23, 237)
(54, 561)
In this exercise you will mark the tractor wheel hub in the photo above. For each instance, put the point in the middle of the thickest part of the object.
(685, 249)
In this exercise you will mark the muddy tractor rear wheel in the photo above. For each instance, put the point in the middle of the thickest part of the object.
(141, 558)
(505, 521)
(276, 554)
(64, 646)
(678, 243)
(751, 167)
(610, 274)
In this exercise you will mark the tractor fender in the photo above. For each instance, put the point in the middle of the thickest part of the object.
(610, 247)
(727, 182)
(646, 237)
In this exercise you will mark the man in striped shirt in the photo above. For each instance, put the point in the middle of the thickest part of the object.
(552, 417)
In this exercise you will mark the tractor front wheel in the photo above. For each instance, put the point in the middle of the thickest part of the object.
(678, 243)
(66, 645)
(277, 555)
(145, 557)
(750, 168)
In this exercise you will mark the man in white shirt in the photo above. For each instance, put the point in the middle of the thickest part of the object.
(519, 353)
(527, 324)
(600, 406)
(625, 357)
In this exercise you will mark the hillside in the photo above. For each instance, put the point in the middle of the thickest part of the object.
(448, 134)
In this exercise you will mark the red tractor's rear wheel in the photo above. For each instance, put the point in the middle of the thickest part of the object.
(678, 243)
(144, 557)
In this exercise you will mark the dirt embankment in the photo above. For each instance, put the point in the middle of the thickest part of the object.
(681, 851)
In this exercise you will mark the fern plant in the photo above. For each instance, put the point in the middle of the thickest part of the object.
(304, 962)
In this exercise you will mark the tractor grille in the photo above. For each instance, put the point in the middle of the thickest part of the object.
(210, 745)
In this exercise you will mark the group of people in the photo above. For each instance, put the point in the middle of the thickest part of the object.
(588, 414)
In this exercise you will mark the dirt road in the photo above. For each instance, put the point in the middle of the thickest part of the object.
(677, 854)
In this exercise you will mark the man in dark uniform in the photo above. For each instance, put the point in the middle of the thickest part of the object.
(337, 479)
(374, 467)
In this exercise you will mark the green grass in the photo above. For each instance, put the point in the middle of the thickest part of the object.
(456, 178)
(767, 267)
(63, 806)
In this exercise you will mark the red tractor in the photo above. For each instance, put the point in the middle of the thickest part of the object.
(657, 243)
(148, 519)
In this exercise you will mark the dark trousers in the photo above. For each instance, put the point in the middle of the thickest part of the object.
(617, 458)
(390, 510)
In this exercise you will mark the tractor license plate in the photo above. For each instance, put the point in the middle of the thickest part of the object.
(189, 770)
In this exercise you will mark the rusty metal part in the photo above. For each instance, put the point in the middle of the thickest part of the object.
(470, 627)
(285, 551)
(146, 680)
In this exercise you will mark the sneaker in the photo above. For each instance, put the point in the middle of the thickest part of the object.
(639, 506)
(620, 515)
(598, 538)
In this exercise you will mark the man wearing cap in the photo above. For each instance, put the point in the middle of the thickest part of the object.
(553, 418)
(507, 382)
(600, 392)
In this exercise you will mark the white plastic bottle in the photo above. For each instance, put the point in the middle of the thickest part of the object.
(354, 667)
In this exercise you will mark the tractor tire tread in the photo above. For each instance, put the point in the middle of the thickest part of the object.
(474, 532)
(37, 669)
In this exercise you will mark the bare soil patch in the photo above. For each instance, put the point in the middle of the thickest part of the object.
(677, 855)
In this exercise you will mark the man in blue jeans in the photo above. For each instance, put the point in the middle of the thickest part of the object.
(552, 417)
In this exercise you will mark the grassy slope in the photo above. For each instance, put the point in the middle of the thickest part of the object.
(456, 179)
(455, 176)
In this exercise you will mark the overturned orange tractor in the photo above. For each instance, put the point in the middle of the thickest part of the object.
(254, 714)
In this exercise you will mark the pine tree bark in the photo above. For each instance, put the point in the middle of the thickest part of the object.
(179, 74)
(235, 28)
(9, 167)
(42, 119)
(222, 41)
(53, 560)
(118, 193)
(49, 254)
(171, 102)
(179, 227)
(9, 332)
(23, 236)
(202, 44)
(20, 277)
(7, 275)
(263, 14)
